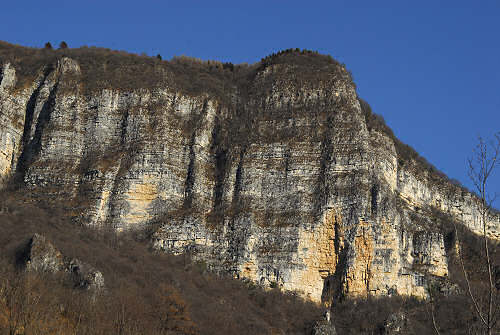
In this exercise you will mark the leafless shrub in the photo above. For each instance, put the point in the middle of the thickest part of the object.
(146, 292)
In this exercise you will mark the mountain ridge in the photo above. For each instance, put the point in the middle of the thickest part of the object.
(32, 60)
(284, 176)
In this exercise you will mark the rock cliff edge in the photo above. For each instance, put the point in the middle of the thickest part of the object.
(274, 175)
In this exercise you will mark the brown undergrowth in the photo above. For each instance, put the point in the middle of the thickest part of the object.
(146, 292)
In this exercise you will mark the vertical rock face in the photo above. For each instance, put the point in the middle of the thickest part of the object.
(279, 181)
(11, 121)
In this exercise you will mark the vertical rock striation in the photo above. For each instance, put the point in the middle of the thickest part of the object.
(278, 180)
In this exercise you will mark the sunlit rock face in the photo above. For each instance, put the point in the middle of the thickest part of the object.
(281, 183)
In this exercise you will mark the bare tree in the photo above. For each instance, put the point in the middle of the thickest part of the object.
(481, 165)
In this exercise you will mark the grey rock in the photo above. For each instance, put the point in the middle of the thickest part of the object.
(396, 323)
(443, 285)
(84, 275)
(323, 328)
(286, 186)
(42, 256)
(8, 77)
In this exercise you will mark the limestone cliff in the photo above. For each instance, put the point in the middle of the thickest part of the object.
(271, 173)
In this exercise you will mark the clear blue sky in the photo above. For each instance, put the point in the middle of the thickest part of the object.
(431, 68)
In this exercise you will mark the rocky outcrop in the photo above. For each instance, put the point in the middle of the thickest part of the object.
(277, 179)
(397, 323)
(42, 256)
(323, 328)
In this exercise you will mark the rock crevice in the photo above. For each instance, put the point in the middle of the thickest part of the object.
(284, 183)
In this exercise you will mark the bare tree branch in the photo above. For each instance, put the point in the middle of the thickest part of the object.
(481, 166)
(466, 276)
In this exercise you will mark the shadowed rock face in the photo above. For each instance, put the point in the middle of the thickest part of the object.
(42, 256)
(323, 328)
(396, 323)
(281, 183)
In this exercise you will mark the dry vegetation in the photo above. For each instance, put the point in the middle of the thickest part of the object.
(105, 68)
(453, 313)
(151, 293)
(406, 154)
(146, 293)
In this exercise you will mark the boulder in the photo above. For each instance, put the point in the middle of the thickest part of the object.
(396, 323)
(42, 256)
